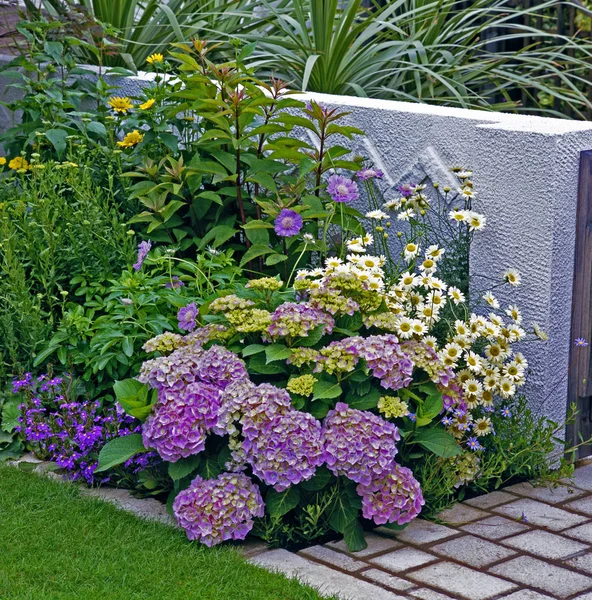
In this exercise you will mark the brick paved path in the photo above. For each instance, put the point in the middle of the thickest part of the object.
(483, 551)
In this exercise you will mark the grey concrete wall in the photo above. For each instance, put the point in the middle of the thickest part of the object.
(526, 174)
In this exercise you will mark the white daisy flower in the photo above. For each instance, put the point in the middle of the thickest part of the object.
(410, 251)
(456, 295)
(512, 276)
(475, 221)
(491, 300)
(459, 215)
(405, 327)
(434, 252)
(406, 215)
(377, 215)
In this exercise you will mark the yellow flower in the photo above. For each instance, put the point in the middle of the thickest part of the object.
(131, 139)
(303, 385)
(148, 104)
(2, 160)
(18, 162)
(155, 58)
(119, 104)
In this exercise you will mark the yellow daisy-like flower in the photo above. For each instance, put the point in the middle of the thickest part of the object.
(18, 162)
(2, 161)
(148, 104)
(131, 139)
(155, 58)
(120, 104)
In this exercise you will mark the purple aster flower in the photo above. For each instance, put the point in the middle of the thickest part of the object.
(581, 342)
(406, 189)
(447, 421)
(366, 174)
(342, 189)
(505, 412)
(473, 444)
(174, 284)
(215, 510)
(143, 249)
(358, 444)
(288, 223)
(523, 518)
(393, 498)
(187, 316)
(412, 417)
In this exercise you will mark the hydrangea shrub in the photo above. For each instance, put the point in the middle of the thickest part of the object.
(308, 402)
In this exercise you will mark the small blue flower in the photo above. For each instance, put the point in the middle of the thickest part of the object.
(447, 421)
(473, 444)
(412, 417)
(523, 518)
(505, 412)
(581, 342)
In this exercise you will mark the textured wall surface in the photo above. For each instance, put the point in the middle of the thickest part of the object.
(525, 173)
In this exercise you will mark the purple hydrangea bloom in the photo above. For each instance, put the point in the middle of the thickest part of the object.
(298, 319)
(250, 404)
(358, 444)
(180, 420)
(288, 223)
(388, 361)
(187, 316)
(143, 249)
(215, 510)
(394, 498)
(342, 189)
(192, 363)
(285, 449)
(366, 174)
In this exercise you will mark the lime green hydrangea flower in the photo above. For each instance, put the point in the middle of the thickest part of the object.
(249, 321)
(265, 283)
(302, 385)
(393, 407)
(302, 356)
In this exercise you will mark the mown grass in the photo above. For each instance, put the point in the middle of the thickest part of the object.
(57, 545)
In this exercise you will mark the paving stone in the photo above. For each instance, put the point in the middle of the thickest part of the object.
(539, 513)
(495, 528)
(376, 543)
(582, 532)
(419, 531)
(395, 583)
(587, 596)
(546, 544)
(527, 595)
(427, 594)
(401, 560)
(539, 574)
(459, 514)
(473, 551)
(337, 559)
(326, 580)
(582, 563)
(491, 499)
(555, 495)
(145, 508)
(252, 547)
(583, 505)
(461, 581)
(582, 477)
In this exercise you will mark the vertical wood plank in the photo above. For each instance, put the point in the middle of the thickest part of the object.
(579, 382)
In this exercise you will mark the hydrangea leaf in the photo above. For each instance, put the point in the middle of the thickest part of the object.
(319, 410)
(326, 390)
(313, 337)
(353, 535)
(320, 480)
(277, 352)
(345, 509)
(183, 467)
(209, 468)
(438, 441)
(280, 503)
(365, 402)
(258, 365)
(431, 407)
(118, 450)
(253, 349)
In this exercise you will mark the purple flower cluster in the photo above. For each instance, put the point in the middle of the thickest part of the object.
(366, 174)
(358, 444)
(342, 189)
(285, 449)
(69, 433)
(388, 361)
(192, 363)
(394, 498)
(288, 223)
(297, 319)
(187, 316)
(426, 358)
(181, 419)
(143, 249)
(215, 510)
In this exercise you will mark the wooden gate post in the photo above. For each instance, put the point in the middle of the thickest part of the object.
(580, 374)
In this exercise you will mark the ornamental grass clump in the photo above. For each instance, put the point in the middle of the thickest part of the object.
(327, 391)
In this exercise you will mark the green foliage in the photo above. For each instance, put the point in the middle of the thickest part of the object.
(118, 450)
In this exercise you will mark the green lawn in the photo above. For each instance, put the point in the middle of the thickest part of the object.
(57, 545)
